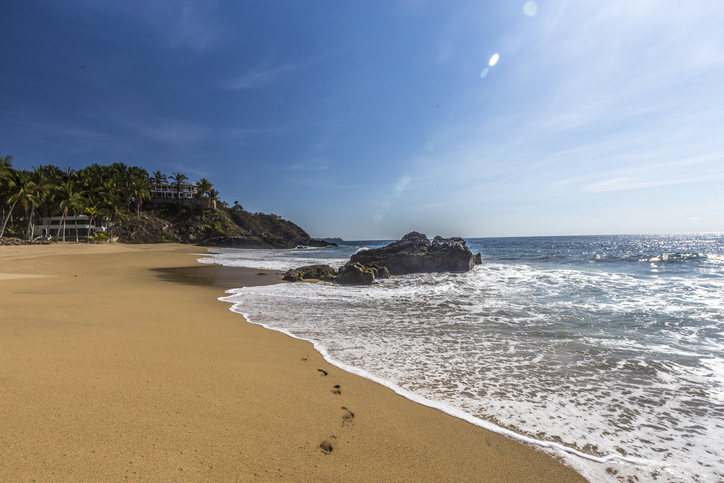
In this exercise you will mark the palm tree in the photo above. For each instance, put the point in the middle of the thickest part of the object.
(6, 165)
(6, 170)
(50, 176)
(68, 198)
(39, 189)
(213, 195)
(115, 208)
(158, 177)
(108, 188)
(139, 188)
(92, 207)
(76, 209)
(179, 179)
(67, 173)
(203, 187)
(17, 187)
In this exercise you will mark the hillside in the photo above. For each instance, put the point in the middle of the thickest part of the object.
(225, 227)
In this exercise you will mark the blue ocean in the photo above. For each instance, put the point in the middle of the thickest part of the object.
(605, 350)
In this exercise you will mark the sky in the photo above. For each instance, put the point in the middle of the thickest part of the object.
(367, 120)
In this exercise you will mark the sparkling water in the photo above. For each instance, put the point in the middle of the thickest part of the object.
(607, 350)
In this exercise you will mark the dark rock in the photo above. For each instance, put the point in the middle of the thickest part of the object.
(317, 272)
(415, 254)
(379, 270)
(332, 241)
(478, 259)
(355, 274)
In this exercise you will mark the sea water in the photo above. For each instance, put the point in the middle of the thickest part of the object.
(607, 350)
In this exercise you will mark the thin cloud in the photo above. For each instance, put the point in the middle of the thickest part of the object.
(259, 77)
(180, 23)
(308, 167)
(192, 27)
(167, 130)
(623, 184)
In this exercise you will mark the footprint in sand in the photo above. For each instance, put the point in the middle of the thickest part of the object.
(347, 415)
(336, 390)
(328, 444)
(324, 373)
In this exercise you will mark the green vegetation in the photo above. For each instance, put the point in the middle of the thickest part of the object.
(215, 228)
(105, 192)
(98, 238)
(112, 193)
(117, 193)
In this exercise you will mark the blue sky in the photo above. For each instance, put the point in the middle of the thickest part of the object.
(367, 120)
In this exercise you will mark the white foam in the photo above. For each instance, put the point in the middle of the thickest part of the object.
(610, 370)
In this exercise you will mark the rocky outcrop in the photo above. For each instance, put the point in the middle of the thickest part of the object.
(415, 254)
(412, 254)
(334, 241)
(478, 259)
(273, 230)
(311, 272)
(224, 227)
(176, 223)
(378, 270)
(355, 274)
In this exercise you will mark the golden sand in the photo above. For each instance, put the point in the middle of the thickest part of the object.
(110, 372)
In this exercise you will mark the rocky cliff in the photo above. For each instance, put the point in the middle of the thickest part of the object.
(222, 228)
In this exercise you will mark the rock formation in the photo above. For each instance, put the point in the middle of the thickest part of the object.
(412, 254)
(311, 272)
(355, 274)
(415, 254)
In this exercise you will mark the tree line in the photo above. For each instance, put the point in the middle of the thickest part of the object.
(101, 192)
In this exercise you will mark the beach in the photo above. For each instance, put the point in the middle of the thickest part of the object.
(118, 362)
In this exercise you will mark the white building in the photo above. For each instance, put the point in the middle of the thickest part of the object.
(170, 191)
(50, 226)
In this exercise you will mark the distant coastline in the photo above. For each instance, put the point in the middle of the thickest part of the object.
(331, 240)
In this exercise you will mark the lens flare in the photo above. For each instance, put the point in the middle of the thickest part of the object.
(493, 60)
(484, 73)
(530, 8)
(400, 187)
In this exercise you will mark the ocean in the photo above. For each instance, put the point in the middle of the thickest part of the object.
(605, 350)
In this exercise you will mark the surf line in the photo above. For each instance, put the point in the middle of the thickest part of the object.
(455, 412)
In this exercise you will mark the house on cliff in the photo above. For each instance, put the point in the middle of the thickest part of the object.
(163, 193)
(170, 191)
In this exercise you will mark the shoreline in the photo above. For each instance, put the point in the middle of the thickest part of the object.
(107, 370)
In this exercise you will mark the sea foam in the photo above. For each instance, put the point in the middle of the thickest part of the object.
(612, 367)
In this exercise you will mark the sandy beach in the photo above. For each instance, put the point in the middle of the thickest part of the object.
(117, 362)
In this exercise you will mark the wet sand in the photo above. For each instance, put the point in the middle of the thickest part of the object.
(117, 362)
